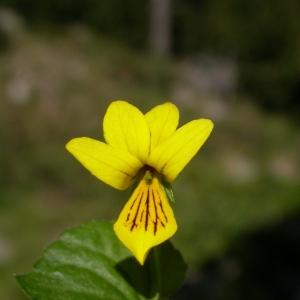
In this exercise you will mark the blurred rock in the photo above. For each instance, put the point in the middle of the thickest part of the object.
(10, 21)
(238, 167)
(19, 90)
(210, 74)
(207, 84)
(283, 167)
(209, 106)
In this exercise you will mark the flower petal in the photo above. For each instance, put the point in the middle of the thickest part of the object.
(170, 157)
(111, 165)
(163, 121)
(126, 128)
(146, 220)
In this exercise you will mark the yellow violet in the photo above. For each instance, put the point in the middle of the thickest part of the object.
(145, 149)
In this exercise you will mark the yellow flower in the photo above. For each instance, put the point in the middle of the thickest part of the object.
(148, 150)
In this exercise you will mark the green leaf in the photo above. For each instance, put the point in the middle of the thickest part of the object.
(89, 262)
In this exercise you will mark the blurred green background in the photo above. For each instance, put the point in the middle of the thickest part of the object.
(236, 62)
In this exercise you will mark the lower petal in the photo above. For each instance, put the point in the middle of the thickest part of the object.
(146, 220)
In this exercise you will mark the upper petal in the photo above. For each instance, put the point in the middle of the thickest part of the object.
(126, 128)
(170, 157)
(163, 121)
(111, 165)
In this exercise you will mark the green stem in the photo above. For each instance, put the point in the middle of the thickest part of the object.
(158, 277)
(158, 269)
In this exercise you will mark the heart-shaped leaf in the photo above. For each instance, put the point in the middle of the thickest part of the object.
(89, 262)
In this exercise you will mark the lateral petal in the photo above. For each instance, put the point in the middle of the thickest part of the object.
(163, 121)
(170, 157)
(146, 220)
(126, 128)
(113, 166)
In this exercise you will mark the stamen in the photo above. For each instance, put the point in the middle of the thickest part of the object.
(148, 176)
